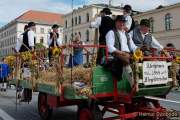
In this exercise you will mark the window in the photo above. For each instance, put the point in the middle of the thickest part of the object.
(41, 40)
(80, 34)
(42, 30)
(65, 39)
(87, 17)
(75, 20)
(49, 30)
(151, 20)
(79, 19)
(72, 36)
(66, 24)
(15, 39)
(168, 21)
(87, 35)
(72, 21)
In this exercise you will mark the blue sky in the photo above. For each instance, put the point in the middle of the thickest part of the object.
(10, 9)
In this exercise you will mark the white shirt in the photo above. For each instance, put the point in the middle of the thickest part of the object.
(97, 22)
(128, 22)
(154, 44)
(19, 42)
(59, 41)
(110, 41)
(31, 36)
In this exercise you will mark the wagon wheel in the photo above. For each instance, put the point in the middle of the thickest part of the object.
(44, 110)
(84, 114)
(154, 104)
(89, 113)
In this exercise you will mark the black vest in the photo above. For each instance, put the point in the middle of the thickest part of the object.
(138, 39)
(52, 43)
(132, 25)
(117, 43)
(107, 24)
(25, 46)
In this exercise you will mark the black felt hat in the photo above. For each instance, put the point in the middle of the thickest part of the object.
(55, 26)
(30, 24)
(120, 18)
(145, 22)
(127, 7)
(107, 11)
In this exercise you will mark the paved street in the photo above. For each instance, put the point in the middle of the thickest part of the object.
(26, 111)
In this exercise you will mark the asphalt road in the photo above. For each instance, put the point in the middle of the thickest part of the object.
(24, 111)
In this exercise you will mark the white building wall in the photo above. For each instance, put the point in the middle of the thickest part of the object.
(9, 36)
(84, 26)
(8, 39)
(164, 36)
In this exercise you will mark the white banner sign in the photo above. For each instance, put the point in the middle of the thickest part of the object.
(155, 72)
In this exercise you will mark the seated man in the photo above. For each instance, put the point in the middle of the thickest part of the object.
(143, 39)
(120, 45)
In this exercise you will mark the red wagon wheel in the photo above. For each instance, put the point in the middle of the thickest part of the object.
(85, 114)
(45, 111)
(89, 113)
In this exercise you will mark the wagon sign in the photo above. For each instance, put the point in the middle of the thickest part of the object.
(155, 72)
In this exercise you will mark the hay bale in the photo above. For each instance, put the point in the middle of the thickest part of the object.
(79, 73)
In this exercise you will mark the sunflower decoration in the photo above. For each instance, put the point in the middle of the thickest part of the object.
(56, 51)
(26, 56)
(10, 60)
(85, 91)
(137, 56)
(34, 62)
(177, 60)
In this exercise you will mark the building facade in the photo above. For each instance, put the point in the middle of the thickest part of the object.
(79, 20)
(44, 21)
(164, 23)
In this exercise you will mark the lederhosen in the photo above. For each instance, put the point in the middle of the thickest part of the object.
(52, 44)
(107, 24)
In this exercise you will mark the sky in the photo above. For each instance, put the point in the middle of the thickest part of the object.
(10, 9)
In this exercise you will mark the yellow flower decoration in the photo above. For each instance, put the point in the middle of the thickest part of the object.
(138, 55)
(56, 51)
(86, 91)
(26, 56)
(34, 62)
(177, 60)
(10, 60)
